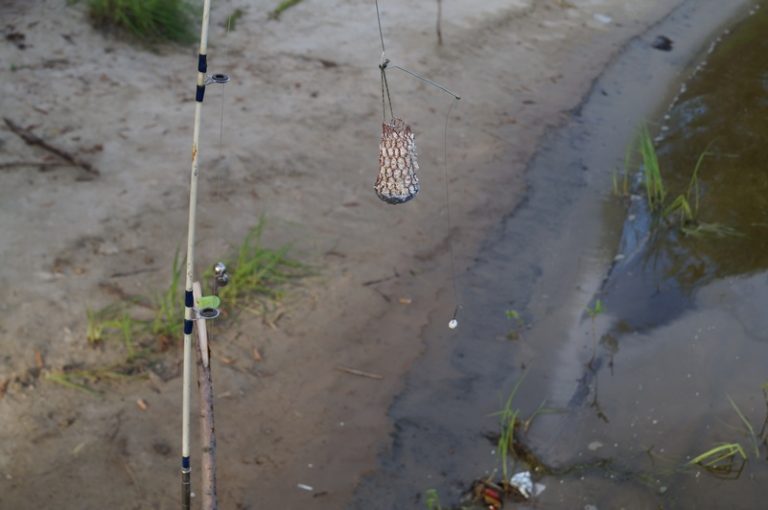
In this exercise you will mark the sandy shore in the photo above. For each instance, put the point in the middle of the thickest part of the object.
(301, 121)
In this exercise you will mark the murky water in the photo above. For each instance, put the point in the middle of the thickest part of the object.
(653, 380)
(720, 118)
(686, 306)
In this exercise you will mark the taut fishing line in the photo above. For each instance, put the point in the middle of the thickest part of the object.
(397, 181)
(223, 91)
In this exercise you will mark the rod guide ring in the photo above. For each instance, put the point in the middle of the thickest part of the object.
(217, 79)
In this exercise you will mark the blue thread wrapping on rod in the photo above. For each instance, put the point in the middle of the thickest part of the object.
(200, 93)
(187, 327)
(202, 63)
(185, 463)
(189, 300)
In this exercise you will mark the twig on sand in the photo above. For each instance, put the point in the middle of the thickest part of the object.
(133, 272)
(32, 139)
(354, 371)
(42, 165)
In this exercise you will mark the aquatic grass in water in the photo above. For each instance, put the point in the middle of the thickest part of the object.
(687, 205)
(594, 311)
(724, 102)
(432, 500)
(517, 332)
(629, 163)
(507, 422)
(683, 211)
(722, 459)
(747, 425)
(654, 185)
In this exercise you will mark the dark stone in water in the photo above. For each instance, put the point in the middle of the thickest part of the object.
(662, 43)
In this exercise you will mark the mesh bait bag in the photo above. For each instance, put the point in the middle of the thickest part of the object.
(397, 182)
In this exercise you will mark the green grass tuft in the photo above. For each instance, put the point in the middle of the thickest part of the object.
(654, 185)
(167, 324)
(259, 271)
(233, 18)
(283, 6)
(150, 21)
(94, 330)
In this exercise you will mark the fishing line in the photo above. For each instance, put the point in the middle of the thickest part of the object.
(397, 181)
(383, 68)
(454, 322)
(223, 91)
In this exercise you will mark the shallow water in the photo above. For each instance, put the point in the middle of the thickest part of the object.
(683, 329)
(645, 385)
(720, 113)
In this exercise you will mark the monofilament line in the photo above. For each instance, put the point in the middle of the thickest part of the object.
(453, 323)
(223, 90)
(381, 33)
(383, 69)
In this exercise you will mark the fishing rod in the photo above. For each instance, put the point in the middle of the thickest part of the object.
(191, 313)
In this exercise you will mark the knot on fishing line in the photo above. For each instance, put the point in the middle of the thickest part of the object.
(384, 62)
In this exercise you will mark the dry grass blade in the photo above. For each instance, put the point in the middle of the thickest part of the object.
(361, 373)
(66, 380)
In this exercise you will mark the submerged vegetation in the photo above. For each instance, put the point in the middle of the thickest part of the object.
(722, 459)
(507, 423)
(516, 332)
(432, 500)
(728, 459)
(654, 184)
(683, 211)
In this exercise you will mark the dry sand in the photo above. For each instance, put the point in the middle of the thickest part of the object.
(301, 121)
